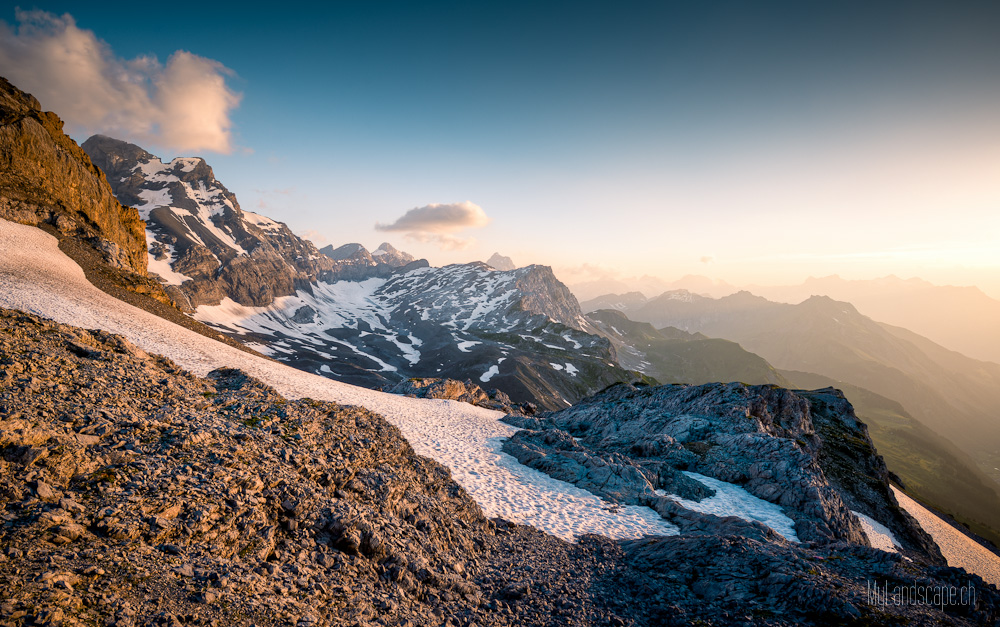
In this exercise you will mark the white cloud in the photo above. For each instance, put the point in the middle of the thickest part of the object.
(437, 222)
(184, 105)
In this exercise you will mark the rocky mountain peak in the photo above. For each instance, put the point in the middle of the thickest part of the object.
(542, 293)
(346, 252)
(389, 255)
(202, 246)
(500, 262)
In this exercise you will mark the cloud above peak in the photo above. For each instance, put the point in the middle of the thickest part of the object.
(183, 105)
(438, 222)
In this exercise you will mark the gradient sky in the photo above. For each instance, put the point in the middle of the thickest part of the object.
(754, 142)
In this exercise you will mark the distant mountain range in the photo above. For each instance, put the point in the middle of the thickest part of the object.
(963, 319)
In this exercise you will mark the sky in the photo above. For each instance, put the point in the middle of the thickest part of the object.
(751, 142)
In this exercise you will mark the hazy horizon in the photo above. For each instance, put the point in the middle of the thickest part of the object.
(755, 144)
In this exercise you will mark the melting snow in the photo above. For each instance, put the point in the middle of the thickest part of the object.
(489, 374)
(153, 198)
(261, 221)
(879, 536)
(465, 345)
(162, 267)
(732, 500)
(568, 338)
(571, 369)
(35, 276)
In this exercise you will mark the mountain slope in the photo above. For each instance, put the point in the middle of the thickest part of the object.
(200, 243)
(519, 331)
(320, 510)
(670, 355)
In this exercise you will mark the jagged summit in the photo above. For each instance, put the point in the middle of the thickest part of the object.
(500, 262)
(384, 255)
(201, 244)
(345, 252)
(388, 255)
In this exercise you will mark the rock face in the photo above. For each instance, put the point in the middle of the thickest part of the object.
(134, 493)
(462, 391)
(202, 246)
(519, 331)
(500, 262)
(763, 438)
(46, 178)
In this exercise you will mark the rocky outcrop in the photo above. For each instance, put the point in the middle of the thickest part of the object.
(462, 391)
(762, 438)
(45, 178)
(202, 245)
(541, 293)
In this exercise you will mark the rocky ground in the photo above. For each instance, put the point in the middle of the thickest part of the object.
(462, 391)
(133, 493)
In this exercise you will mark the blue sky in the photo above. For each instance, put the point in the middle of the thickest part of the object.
(753, 142)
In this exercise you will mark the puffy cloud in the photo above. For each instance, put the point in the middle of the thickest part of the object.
(184, 105)
(437, 222)
(707, 259)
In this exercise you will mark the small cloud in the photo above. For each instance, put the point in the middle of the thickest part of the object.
(707, 259)
(437, 222)
(439, 218)
(183, 105)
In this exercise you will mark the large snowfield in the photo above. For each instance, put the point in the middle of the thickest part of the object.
(36, 277)
(957, 548)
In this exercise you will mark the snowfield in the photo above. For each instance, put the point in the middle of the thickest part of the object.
(957, 548)
(35, 276)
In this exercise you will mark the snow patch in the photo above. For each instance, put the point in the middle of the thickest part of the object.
(732, 500)
(879, 536)
(489, 374)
